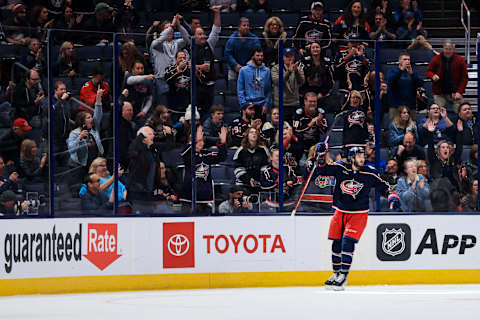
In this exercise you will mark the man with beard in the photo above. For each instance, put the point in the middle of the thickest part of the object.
(28, 96)
(20, 32)
(254, 83)
(351, 203)
(240, 125)
(239, 48)
(313, 29)
(204, 63)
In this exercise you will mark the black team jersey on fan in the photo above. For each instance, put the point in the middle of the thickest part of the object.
(352, 188)
(355, 68)
(310, 30)
(355, 128)
(308, 135)
(236, 130)
(269, 179)
(203, 161)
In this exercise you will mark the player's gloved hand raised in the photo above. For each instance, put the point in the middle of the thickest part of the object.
(394, 201)
(321, 152)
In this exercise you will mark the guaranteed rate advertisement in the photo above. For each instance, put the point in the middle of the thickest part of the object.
(139, 246)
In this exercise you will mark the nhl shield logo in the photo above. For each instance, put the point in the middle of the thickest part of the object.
(393, 242)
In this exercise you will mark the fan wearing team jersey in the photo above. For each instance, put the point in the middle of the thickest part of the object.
(355, 127)
(309, 122)
(351, 65)
(351, 203)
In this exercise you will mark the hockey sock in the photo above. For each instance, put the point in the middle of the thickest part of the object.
(348, 245)
(336, 255)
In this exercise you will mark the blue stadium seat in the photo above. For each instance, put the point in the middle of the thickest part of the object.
(220, 85)
(389, 56)
(289, 20)
(218, 99)
(281, 5)
(333, 4)
(5, 120)
(421, 70)
(231, 104)
(222, 174)
(77, 84)
(421, 56)
(336, 138)
(229, 160)
(162, 16)
(90, 53)
(256, 19)
(228, 117)
(466, 153)
(230, 19)
(384, 154)
(172, 158)
(204, 17)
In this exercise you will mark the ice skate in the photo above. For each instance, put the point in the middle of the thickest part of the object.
(340, 282)
(329, 283)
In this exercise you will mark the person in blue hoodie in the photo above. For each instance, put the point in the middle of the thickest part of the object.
(254, 84)
(239, 48)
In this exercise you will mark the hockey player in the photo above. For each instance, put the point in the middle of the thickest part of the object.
(351, 203)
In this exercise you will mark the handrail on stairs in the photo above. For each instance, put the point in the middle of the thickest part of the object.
(464, 8)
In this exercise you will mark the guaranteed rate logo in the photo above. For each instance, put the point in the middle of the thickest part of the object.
(42, 247)
(102, 244)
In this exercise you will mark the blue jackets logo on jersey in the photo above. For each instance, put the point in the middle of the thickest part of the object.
(201, 171)
(356, 117)
(351, 187)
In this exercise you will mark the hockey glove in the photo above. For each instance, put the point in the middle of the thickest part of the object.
(394, 201)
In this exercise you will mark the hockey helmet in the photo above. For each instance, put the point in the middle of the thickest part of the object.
(355, 150)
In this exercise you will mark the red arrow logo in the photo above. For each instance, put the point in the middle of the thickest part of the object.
(102, 244)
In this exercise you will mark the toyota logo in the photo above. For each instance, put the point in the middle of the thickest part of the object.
(178, 245)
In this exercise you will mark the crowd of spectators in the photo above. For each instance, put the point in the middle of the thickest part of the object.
(327, 70)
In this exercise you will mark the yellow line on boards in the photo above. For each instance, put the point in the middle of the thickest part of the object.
(228, 280)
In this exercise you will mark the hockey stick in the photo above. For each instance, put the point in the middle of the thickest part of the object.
(311, 172)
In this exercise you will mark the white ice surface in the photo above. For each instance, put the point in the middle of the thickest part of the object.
(373, 302)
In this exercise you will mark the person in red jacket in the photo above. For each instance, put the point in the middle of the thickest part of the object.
(449, 75)
(88, 93)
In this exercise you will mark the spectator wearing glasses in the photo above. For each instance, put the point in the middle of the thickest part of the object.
(28, 97)
(273, 33)
(313, 29)
(99, 167)
(94, 200)
(437, 125)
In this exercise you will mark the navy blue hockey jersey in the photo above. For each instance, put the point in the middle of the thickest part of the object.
(204, 159)
(352, 188)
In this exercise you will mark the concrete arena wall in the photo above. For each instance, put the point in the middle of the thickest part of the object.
(98, 254)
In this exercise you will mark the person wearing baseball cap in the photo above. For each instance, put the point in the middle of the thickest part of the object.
(100, 25)
(10, 143)
(7, 203)
(293, 77)
(314, 28)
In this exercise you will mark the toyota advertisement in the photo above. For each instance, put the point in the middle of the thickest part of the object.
(83, 247)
